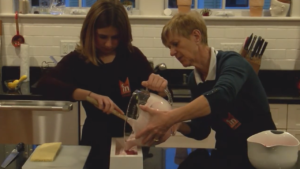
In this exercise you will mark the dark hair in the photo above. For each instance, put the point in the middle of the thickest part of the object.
(104, 13)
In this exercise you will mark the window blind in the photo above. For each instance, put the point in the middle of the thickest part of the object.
(72, 3)
(267, 4)
(210, 4)
(88, 3)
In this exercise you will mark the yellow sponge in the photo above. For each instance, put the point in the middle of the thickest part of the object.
(45, 152)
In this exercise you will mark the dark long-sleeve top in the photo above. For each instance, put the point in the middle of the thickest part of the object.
(238, 102)
(112, 79)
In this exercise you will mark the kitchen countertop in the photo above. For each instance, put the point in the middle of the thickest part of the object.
(272, 100)
(27, 93)
(182, 94)
(279, 92)
(158, 158)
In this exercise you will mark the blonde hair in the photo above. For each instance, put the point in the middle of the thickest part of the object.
(183, 24)
(104, 13)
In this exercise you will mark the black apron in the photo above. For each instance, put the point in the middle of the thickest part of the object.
(94, 135)
(99, 128)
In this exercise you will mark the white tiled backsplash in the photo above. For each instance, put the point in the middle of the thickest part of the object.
(44, 35)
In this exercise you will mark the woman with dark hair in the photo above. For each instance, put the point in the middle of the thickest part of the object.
(106, 67)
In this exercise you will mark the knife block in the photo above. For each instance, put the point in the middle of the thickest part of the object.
(118, 161)
(254, 61)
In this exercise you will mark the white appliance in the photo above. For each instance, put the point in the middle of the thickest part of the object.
(37, 122)
(272, 149)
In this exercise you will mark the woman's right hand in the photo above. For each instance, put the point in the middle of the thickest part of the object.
(106, 104)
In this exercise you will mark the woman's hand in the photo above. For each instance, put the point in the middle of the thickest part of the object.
(159, 123)
(155, 82)
(106, 104)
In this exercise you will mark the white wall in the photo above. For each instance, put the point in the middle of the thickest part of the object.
(44, 35)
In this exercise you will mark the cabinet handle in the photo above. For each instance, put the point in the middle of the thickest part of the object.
(33, 107)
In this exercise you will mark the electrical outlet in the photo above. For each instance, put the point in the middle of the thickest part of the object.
(67, 46)
(64, 48)
(72, 46)
(231, 47)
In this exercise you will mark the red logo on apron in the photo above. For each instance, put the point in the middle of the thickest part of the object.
(125, 87)
(232, 122)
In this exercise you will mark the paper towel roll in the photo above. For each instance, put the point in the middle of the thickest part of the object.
(25, 63)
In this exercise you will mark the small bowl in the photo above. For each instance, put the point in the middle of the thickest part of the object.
(18, 86)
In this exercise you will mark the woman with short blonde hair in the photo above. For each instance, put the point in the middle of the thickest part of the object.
(227, 96)
(183, 24)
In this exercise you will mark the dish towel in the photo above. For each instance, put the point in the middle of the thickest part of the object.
(46, 152)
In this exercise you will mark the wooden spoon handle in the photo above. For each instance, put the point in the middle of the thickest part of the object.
(17, 23)
(114, 112)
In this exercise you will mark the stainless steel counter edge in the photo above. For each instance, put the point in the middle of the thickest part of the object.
(185, 98)
(272, 100)
(36, 105)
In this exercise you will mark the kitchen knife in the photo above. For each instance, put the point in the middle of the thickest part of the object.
(259, 47)
(256, 46)
(263, 49)
(19, 148)
(248, 42)
(252, 43)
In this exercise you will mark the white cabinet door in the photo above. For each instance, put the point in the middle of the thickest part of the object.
(181, 141)
(178, 104)
(279, 115)
(295, 133)
(293, 116)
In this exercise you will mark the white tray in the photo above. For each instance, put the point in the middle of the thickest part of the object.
(124, 161)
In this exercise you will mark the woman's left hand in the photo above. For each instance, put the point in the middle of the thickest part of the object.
(159, 123)
(156, 83)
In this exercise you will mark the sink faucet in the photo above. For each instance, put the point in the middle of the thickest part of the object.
(160, 67)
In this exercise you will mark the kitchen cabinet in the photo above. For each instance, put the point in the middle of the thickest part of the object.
(279, 115)
(295, 133)
(293, 117)
(287, 118)
(38, 122)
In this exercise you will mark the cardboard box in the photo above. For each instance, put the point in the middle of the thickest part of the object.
(118, 161)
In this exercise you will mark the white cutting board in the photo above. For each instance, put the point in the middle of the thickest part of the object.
(68, 157)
